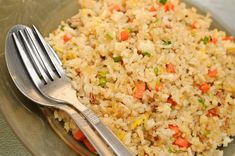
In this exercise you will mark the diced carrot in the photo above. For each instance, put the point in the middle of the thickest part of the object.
(182, 142)
(67, 37)
(170, 68)
(171, 101)
(228, 38)
(194, 25)
(212, 72)
(152, 9)
(214, 40)
(89, 145)
(204, 87)
(78, 135)
(176, 129)
(115, 8)
(168, 7)
(213, 112)
(124, 35)
(158, 87)
(139, 90)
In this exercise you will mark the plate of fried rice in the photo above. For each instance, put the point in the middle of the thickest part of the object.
(154, 71)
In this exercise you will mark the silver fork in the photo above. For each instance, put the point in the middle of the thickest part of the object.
(56, 86)
(21, 40)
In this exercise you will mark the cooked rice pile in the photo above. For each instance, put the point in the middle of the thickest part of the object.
(154, 72)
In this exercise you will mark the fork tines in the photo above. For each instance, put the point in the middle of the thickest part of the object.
(38, 57)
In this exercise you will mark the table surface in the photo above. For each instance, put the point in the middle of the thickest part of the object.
(11, 146)
(9, 143)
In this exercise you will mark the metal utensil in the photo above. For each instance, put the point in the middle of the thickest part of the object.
(49, 77)
(25, 85)
(53, 83)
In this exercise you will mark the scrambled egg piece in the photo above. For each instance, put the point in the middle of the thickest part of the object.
(70, 55)
(229, 85)
(121, 134)
(140, 120)
(230, 47)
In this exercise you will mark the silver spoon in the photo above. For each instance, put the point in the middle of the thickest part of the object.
(24, 84)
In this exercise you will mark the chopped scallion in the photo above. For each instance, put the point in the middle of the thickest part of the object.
(172, 150)
(163, 1)
(202, 101)
(109, 37)
(157, 20)
(130, 30)
(166, 42)
(147, 54)
(117, 59)
(102, 81)
(156, 71)
(62, 27)
(206, 133)
(206, 39)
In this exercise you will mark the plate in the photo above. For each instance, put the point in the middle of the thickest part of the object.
(31, 123)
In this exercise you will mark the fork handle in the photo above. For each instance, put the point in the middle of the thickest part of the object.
(109, 137)
(90, 134)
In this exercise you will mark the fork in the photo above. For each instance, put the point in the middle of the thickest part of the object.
(55, 85)
(83, 125)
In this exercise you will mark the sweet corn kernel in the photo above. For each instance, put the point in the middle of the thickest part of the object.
(70, 55)
(121, 134)
(230, 47)
(139, 121)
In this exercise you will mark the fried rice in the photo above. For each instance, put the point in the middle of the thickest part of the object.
(154, 72)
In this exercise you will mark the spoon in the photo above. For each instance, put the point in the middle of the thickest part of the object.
(23, 82)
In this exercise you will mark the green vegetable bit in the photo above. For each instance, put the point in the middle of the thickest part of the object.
(156, 71)
(62, 27)
(158, 20)
(117, 59)
(102, 74)
(166, 42)
(109, 37)
(206, 133)
(172, 150)
(206, 39)
(102, 81)
(163, 1)
(129, 30)
(147, 54)
(202, 101)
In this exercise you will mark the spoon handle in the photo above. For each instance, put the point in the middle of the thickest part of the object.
(101, 148)
(110, 138)
(105, 133)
